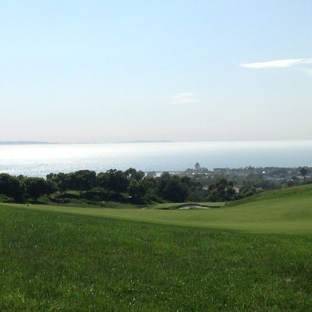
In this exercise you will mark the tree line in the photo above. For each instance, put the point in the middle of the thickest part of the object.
(135, 186)
(130, 185)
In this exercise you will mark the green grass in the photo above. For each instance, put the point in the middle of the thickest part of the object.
(159, 260)
(286, 211)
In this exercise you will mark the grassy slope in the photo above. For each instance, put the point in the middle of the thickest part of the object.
(283, 211)
(67, 262)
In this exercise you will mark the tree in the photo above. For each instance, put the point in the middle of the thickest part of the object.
(136, 189)
(116, 181)
(36, 187)
(61, 179)
(132, 173)
(171, 188)
(51, 187)
(176, 191)
(83, 180)
(221, 190)
(162, 182)
(12, 187)
(303, 171)
(197, 167)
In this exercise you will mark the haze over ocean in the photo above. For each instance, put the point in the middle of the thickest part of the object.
(41, 159)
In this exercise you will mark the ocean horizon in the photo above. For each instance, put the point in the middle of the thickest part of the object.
(41, 158)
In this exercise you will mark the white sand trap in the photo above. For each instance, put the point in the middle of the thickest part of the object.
(186, 207)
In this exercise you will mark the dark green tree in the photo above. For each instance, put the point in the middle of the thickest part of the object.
(171, 188)
(116, 181)
(62, 180)
(221, 190)
(51, 187)
(12, 187)
(136, 189)
(132, 173)
(303, 171)
(35, 187)
(83, 180)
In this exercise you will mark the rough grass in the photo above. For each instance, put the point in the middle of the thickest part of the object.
(66, 262)
(162, 260)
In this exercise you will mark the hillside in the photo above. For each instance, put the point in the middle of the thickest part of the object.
(296, 192)
(283, 211)
(57, 258)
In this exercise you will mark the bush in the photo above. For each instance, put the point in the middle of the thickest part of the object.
(6, 199)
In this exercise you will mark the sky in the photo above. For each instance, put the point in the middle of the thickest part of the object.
(180, 70)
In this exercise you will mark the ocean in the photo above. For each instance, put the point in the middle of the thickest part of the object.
(38, 160)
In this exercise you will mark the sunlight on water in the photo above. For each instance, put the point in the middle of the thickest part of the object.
(41, 159)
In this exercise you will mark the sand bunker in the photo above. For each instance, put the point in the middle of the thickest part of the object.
(186, 207)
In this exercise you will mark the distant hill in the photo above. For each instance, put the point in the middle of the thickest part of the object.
(22, 142)
(146, 141)
(42, 142)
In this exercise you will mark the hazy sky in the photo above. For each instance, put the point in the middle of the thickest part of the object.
(183, 70)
